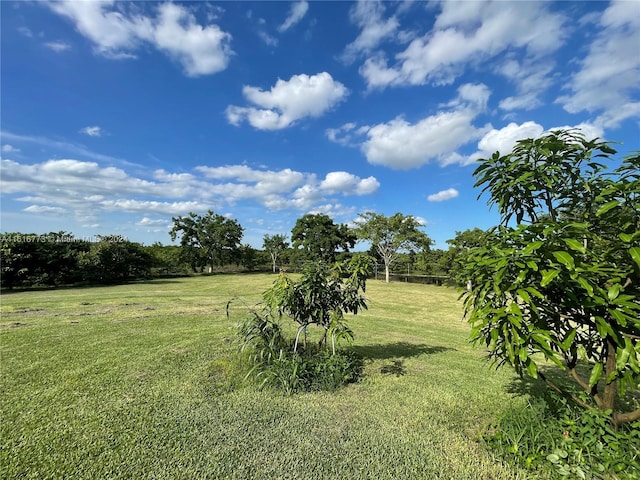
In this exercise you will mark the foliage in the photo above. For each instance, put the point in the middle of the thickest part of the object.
(210, 235)
(275, 246)
(322, 297)
(458, 253)
(61, 259)
(113, 259)
(391, 235)
(563, 284)
(167, 259)
(561, 441)
(320, 238)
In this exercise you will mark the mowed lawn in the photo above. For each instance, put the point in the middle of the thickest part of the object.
(139, 382)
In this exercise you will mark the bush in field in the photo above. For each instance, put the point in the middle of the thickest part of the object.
(321, 298)
(562, 282)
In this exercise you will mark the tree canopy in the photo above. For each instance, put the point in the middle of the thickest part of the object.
(320, 238)
(392, 235)
(563, 283)
(211, 235)
(275, 245)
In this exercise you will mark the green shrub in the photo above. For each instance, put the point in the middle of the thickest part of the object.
(552, 438)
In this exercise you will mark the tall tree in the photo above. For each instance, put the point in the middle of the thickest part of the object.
(391, 236)
(320, 238)
(211, 234)
(275, 245)
(459, 248)
(563, 283)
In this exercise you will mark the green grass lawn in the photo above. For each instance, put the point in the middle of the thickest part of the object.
(138, 381)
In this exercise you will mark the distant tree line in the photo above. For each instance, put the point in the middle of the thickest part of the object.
(213, 243)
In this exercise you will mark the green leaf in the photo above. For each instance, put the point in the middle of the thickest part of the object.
(532, 369)
(635, 254)
(586, 285)
(606, 207)
(548, 276)
(566, 343)
(596, 373)
(565, 258)
(532, 247)
(614, 291)
(532, 265)
(574, 244)
(524, 295)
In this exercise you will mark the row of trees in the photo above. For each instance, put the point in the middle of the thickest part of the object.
(211, 241)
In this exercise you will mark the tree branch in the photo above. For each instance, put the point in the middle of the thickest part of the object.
(565, 394)
(628, 417)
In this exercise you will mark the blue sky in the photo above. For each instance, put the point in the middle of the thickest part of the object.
(116, 116)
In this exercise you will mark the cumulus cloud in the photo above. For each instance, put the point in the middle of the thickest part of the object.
(607, 80)
(87, 190)
(57, 46)
(347, 183)
(443, 195)
(369, 16)
(94, 131)
(288, 101)
(118, 32)
(504, 139)
(400, 144)
(468, 33)
(296, 13)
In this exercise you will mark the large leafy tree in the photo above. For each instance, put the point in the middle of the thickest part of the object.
(559, 278)
(275, 245)
(459, 248)
(320, 238)
(212, 235)
(391, 236)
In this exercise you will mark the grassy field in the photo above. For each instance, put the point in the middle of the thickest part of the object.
(138, 381)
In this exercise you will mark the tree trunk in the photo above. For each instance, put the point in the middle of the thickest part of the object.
(386, 272)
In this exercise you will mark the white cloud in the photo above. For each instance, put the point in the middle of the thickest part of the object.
(288, 101)
(57, 46)
(200, 50)
(44, 209)
(118, 30)
(607, 80)
(152, 206)
(269, 40)
(341, 134)
(6, 148)
(88, 190)
(531, 80)
(503, 140)
(369, 16)
(348, 183)
(296, 13)
(401, 145)
(467, 33)
(94, 131)
(443, 195)
(148, 222)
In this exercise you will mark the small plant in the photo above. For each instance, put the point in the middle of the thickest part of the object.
(558, 440)
(320, 298)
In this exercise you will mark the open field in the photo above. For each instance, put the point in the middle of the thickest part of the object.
(138, 381)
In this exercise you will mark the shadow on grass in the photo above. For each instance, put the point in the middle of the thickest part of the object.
(396, 350)
(538, 389)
